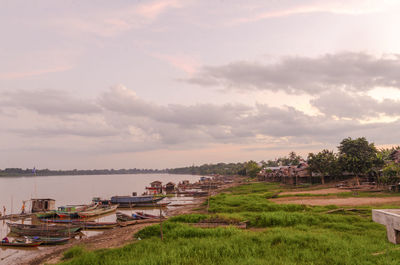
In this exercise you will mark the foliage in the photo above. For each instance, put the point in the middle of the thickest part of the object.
(208, 169)
(252, 168)
(357, 156)
(324, 162)
(391, 173)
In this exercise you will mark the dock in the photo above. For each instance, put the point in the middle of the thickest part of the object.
(391, 219)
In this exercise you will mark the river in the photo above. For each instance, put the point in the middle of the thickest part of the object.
(79, 189)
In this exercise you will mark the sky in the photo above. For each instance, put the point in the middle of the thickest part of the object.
(171, 83)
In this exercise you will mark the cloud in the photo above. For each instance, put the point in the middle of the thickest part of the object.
(119, 121)
(349, 7)
(358, 106)
(348, 70)
(47, 102)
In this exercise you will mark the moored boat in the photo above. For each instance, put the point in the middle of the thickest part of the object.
(20, 244)
(99, 210)
(129, 201)
(83, 224)
(47, 214)
(44, 230)
(49, 240)
(146, 205)
(72, 211)
(143, 215)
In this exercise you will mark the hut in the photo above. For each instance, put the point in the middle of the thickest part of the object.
(43, 205)
(156, 185)
(169, 187)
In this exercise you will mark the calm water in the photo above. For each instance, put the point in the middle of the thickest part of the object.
(72, 190)
(76, 189)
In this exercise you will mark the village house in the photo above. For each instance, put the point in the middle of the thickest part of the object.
(43, 205)
(286, 174)
(169, 187)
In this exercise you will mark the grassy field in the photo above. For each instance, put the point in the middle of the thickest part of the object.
(278, 234)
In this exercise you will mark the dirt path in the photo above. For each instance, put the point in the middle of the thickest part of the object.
(321, 191)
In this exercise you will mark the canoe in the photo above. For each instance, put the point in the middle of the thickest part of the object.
(124, 217)
(20, 244)
(83, 224)
(99, 210)
(143, 215)
(50, 240)
(72, 211)
(48, 214)
(130, 201)
(139, 205)
(44, 230)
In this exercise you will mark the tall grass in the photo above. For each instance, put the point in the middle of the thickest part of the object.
(291, 234)
(277, 245)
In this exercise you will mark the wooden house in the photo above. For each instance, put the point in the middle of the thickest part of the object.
(156, 185)
(170, 187)
(43, 205)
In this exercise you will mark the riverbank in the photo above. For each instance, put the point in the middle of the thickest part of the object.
(276, 234)
(114, 238)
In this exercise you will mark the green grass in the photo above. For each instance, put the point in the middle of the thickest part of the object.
(346, 194)
(291, 234)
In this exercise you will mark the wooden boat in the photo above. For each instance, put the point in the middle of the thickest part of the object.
(145, 205)
(83, 224)
(143, 215)
(48, 214)
(20, 244)
(129, 201)
(121, 217)
(49, 240)
(44, 230)
(99, 210)
(72, 211)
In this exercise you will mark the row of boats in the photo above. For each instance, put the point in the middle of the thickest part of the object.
(59, 226)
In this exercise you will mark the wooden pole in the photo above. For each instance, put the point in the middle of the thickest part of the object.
(161, 223)
(209, 194)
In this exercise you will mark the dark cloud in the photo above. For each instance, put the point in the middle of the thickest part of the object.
(349, 105)
(123, 122)
(122, 100)
(352, 71)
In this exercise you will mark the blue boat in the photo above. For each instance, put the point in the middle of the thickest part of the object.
(130, 201)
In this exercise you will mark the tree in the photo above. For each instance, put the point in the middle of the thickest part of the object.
(325, 163)
(357, 156)
(252, 168)
(391, 173)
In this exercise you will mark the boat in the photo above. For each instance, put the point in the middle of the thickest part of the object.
(44, 230)
(144, 205)
(20, 244)
(143, 215)
(72, 211)
(129, 201)
(83, 224)
(121, 217)
(99, 210)
(49, 240)
(48, 214)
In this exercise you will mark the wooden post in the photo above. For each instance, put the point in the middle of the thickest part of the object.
(209, 195)
(161, 231)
